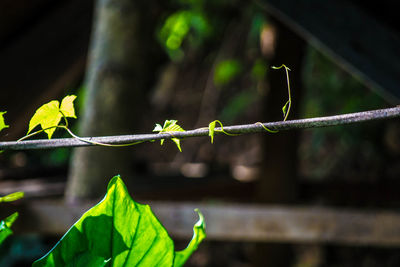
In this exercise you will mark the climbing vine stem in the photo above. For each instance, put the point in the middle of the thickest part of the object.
(350, 118)
(288, 104)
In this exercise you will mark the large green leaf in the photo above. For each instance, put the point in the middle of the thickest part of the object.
(49, 115)
(198, 235)
(117, 232)
(3, 124)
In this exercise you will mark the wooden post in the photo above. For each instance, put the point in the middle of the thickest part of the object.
(123, 58)
(278, 181)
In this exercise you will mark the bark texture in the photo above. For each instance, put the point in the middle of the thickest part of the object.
(122, 63)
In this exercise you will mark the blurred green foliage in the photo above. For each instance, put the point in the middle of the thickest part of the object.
(189, 23)
(237, 105)
(226, 71)
(259, 69)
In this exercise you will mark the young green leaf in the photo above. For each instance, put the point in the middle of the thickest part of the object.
(3, 124)
(285, 109)
(67, 106)
(211, 128)
(12, 197)
(5, 225)
(170, 126)
(49, 115)
(118, 232)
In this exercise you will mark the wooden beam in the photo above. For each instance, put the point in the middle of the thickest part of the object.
(236, 222)
(352, 38)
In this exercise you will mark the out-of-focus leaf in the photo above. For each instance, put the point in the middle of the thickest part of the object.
(117, 232)
(178, 26)
(5, 225)
(259, 70)
(226, 70)
(12, 197)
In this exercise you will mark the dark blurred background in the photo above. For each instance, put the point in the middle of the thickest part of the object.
(133, 64)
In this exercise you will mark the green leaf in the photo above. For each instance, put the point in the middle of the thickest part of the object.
(170, 126)
(49, 115)
(4, 232)
(46, 116)
(3, 124)
(12, 197)
(177, 143)
(5, 225)
(199, 234)
(211, 128)
(9, 221)
(117, 232)
(157, 128)
(284, 109)
(67, 106)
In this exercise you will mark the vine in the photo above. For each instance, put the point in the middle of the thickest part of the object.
(49, 116)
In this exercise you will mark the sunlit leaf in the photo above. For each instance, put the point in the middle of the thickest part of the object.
(211, 128)
(49, 115)
(12, 197)
(199, 234)
(157, 128)
(170, 126)
(3, 124)
(67, 106)
(119, 232)
(46, 116)
(177, 143)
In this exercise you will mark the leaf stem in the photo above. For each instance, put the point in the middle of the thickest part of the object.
(289, 102)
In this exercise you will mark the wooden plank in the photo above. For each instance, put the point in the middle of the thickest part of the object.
(236, 222)
(354, 39)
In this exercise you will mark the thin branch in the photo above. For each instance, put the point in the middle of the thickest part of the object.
(236, 129)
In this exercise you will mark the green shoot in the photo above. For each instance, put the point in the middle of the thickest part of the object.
(211, 130)
(288, 104)
(170, 126)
